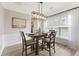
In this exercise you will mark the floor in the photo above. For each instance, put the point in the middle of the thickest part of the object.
(60, 51)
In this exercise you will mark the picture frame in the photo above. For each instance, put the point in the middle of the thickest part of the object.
(18, 22)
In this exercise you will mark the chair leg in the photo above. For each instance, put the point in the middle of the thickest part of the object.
(49, 50)
(54, 47)
(32, 47)
(26, 51)
(36, 49)
(42, 45)
(47, 45)
(22, 52)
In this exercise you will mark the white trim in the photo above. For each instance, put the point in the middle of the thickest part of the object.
(1, 50)
(2, 45)
(8, 46)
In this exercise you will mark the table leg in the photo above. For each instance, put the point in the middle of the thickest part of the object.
(33, 45)
(37, 46)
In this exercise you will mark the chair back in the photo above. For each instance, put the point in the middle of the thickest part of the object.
(52, 35)
(23, 38)
(45, 35)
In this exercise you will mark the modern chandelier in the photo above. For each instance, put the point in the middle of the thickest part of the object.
(38, 15)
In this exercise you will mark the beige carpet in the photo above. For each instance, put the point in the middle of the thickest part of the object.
(60, 51)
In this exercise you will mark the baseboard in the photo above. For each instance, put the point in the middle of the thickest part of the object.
(62, 41)
(1, 51)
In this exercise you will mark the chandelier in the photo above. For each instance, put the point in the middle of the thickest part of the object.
(38, 15)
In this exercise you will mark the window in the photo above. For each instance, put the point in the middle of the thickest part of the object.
(61, 24)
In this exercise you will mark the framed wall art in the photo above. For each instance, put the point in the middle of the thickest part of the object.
(18, 22)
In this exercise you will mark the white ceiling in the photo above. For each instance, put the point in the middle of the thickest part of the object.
(48, 8)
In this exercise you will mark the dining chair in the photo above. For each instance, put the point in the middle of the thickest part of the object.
(49, 41)
(26, 43)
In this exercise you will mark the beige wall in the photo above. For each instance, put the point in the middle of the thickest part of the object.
(12, 35)
(1, 27)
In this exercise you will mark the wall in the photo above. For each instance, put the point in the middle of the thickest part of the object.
(12, 35)
(1, 27)
(74, 29)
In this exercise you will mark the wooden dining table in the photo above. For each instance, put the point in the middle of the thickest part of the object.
(37, 37)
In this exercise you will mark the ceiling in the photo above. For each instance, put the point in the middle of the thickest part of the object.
(48, 8)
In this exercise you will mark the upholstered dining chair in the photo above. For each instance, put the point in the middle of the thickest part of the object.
(26, 43)
(49, 41)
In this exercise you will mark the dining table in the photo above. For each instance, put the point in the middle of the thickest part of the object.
(36, 36)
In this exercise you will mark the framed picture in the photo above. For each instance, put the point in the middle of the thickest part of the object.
(18, 22)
